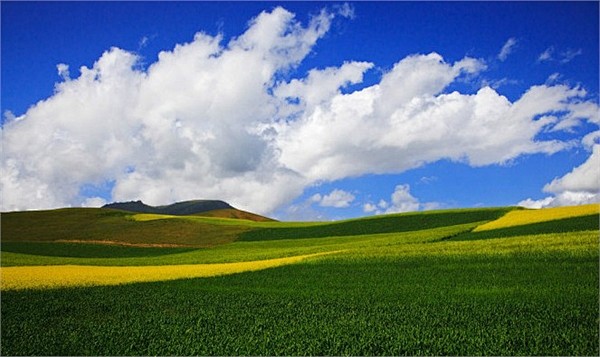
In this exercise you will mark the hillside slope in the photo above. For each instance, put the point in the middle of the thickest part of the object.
(176, 209)
(109, 226)
(235, 214)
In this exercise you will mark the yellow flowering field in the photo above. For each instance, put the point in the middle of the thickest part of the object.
(529, 216)
(45, 277)
(143, 217)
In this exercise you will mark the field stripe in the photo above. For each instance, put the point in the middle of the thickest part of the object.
(523, 217)
(58, 276)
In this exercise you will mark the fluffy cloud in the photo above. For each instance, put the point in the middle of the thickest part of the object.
(580, 186)
(369, 207)
(198, 124)
(507, 49)
(401, 200)
(181, 129)
(404, 122)
(337, 198)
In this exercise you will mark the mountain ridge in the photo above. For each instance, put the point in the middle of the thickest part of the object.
(208, 208)
(182, 208)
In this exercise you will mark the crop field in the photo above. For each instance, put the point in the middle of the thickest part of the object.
(524, 217)
(454, 282)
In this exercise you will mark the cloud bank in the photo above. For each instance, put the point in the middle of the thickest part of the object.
(211, 119)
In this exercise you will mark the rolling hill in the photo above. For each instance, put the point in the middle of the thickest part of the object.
(207, 208)
(494, 281)
(175, 209)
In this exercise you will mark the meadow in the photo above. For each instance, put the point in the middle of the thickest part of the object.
(434, 283)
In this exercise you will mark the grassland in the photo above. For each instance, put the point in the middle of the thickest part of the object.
(389, 287)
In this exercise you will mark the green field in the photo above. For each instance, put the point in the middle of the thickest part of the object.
(404, 284)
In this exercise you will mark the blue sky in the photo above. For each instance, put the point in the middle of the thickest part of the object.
(300, 110)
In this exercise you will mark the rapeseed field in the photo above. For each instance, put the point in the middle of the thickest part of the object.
(530, 216)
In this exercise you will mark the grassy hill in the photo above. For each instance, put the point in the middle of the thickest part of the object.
(109, 226)
(496, 281)
(208, 208)
(235, 214)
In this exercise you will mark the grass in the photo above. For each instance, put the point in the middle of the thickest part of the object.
(234, 252)
(97, 225)
(85, 250)
(234, 213)
(572, 224)
(495, 303)
(409, 284)
(386, 224)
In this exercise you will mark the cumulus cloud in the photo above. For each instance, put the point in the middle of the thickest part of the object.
(580, 186)
(401, 200)
(337, 198)
(404, 122)
(197, 123)
(369, 207)
(180, 130)
(507, 49)
(320, 86)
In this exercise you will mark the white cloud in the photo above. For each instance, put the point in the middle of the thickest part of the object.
(553, 78)
(546, 55)
(382, 204)
(495, 84)
(336, 198)
(198, 124)
(428, 179)
(529, 203)
(580, 186)
(345, 10)
(94, 202)
(562, 57)
(143, 42)
(404, 122)
(584, 178)
(320, 86)
(369, 207)
(401, 200)
(182, 129)
(63, 71)
(507, 48)
(568, 55)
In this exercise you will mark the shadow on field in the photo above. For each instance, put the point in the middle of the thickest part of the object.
(82, 250)
(574, 224)
(377, 225)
